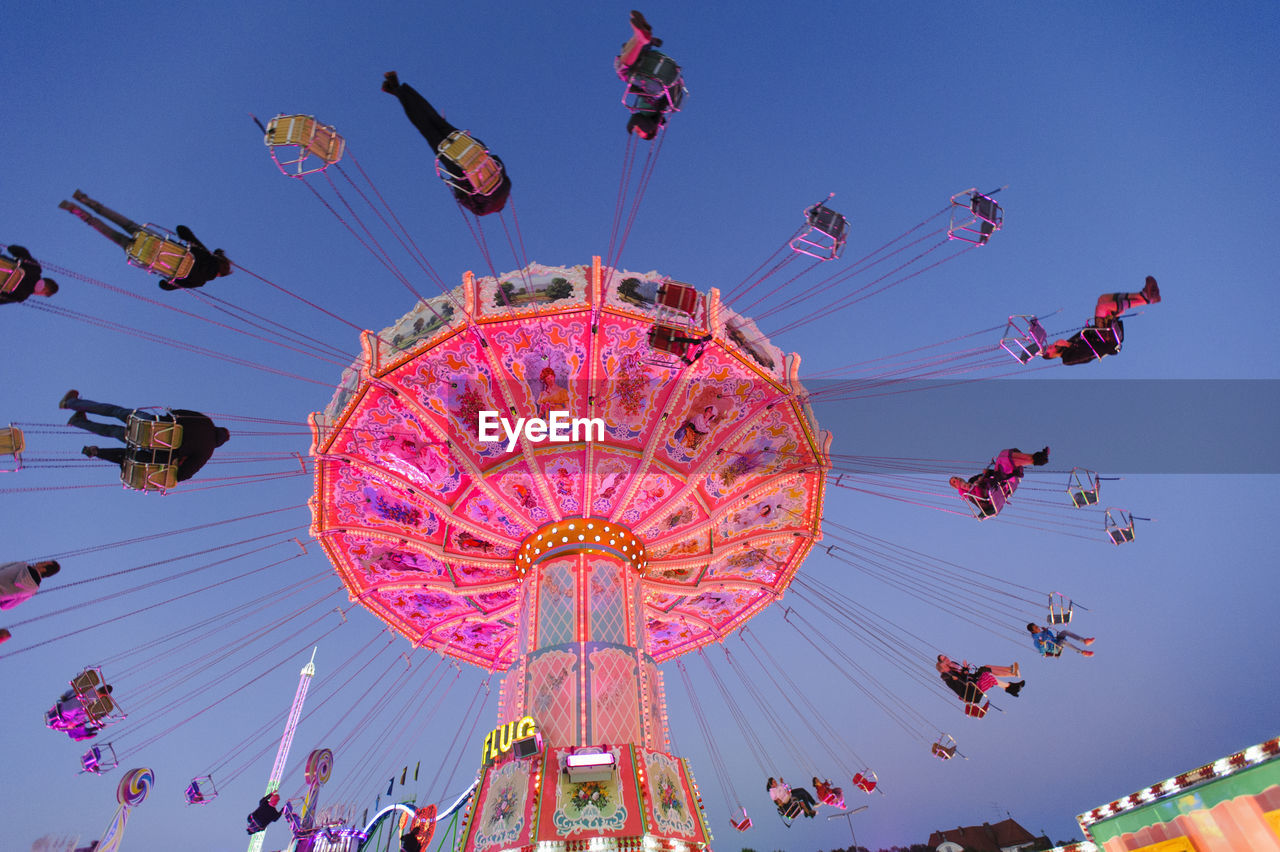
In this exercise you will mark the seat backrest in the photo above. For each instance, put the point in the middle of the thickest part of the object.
(166, 258)
(85, 682)
(12, 441)
(148, 476)
(327, 144)
(153, 434)
(677, 296)
(481, 169)
(297, 130)
(100, 709)
(11, 274)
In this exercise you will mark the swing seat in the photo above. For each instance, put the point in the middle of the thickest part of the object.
(200, 791)
(99, 710)
(742, 823)
(1102, 341)
(791, 810)
(1024, 337)
(155, 251)
(12, 443)
(96, 761)
(148, 476)
(943, 752)
(1060, 609)
(11, 275)
(317, 146)
(654, 84)
(1083, 487)
(670, 339)
(1119, 526)
(975, 701)
(87, 682)
(163, 434)
(974, 217)
(678, 297)
(865, 781)
(825, 234)
(482, 173)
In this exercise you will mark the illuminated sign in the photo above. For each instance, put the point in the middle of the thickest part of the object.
(503, 738)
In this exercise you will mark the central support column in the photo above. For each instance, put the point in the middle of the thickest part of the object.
(582, 670)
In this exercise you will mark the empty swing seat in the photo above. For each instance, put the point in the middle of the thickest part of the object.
(865, 781)
(1024, 337)
(974, 217)
(162, 434)
(317, 145)
(1083, 487)
(11, 275)
(945, 752)
(1119, 526)
(742, 823)
(482, 174)
(654, 84)
(1060, 609)
(158, 254)
(825, 234)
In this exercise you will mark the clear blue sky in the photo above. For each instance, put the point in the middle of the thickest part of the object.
(1136, 139)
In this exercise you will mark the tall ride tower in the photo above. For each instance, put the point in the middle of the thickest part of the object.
(282, 753)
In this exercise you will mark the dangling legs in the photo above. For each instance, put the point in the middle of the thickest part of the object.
(1111, 305)
(641, 37)
(419, 110)
(1063, 635)
(98, 225)
(105, 409)
(107, 213)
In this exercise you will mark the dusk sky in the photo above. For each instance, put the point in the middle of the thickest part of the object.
(1134, 139)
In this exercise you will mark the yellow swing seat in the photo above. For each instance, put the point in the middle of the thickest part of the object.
(483, 174)
(158, 253)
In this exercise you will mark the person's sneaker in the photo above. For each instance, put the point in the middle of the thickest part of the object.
(655, 42)
(79, 196)
(67, 398)
(5, 635)
(1086, 653)
(638, 21)
(1151, 292)
(1089, 641)
(1015, 688)
(77, 418)
(90, 452)
(1040, 457)
(390, 82)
